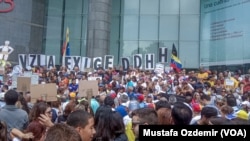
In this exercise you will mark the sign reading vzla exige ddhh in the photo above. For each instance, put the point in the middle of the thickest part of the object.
(85, 62)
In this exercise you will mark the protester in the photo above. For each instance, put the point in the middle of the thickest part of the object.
(83, 122)
(181, 114)
(143, 116)
(11, 115)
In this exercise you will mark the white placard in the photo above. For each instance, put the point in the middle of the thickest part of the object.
(229, 82)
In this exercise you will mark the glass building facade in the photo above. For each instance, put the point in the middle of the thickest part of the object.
(61, 14)
(131, 27)
(142, 26)
(136, 27)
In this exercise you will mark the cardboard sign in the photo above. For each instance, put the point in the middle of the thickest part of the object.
(85, 86)
(23, 84)
(45, 92)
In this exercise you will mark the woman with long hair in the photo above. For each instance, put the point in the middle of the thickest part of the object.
(115, 130)
(40, 120)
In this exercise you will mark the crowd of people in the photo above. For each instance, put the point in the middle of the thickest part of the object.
(124, 101)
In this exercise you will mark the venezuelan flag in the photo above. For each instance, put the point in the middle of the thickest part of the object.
(175, 61)
(66, 48)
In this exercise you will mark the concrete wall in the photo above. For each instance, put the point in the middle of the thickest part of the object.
(98, 35)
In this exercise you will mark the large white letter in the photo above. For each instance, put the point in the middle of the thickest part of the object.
(125, 63)
(163, 54)
(109, 61)
(51, 61)
(22, 59)
(76, 61)
(86, 63)
(97, 62)
(32, 60)
(149, 61)
(137, 61)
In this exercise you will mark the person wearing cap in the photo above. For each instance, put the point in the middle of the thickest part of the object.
(72, 98)
(109, 89)
(101, 88)
(243, 115)
(140, 99)
(196, 107)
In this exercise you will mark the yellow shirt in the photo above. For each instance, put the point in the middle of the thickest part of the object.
(236, 83)
(129, 132)
(203, 75)
(211, 82)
